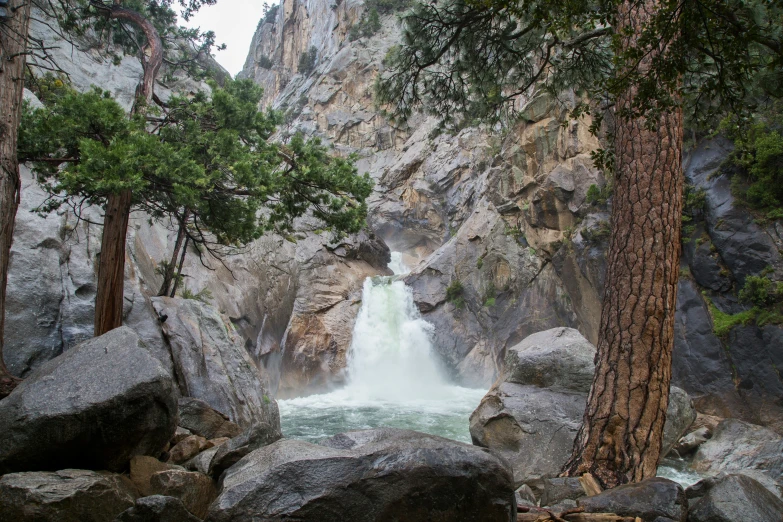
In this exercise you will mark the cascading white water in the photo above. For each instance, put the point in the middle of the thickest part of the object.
(394, 378)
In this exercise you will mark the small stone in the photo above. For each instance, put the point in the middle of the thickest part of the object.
(142, 468)
(195, 490)
(188, 448)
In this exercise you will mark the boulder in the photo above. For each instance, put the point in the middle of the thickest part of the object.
(381, 474)
(648, 500)
(198, 417)
(95, 406)
(525, 495)
(561, 488)
(560, 359)
(188, 448)
(229, 453)
(532, 413)
(141, 470)
(739, 447)
(212, 363)
(69, 495)
(201, 461)
(730, 498)
(195, 490)
(157, 508)
(679, 416)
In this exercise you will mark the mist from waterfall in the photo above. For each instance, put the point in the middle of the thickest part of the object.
(394, 377)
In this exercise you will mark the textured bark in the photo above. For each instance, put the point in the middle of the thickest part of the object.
(172, 266)
(13, 46)
(111, 267)
(179, 270)
(621, 435)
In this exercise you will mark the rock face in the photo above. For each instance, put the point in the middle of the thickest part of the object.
(382, 474)
(157, 508)
(730, 498)
(95, 406)
(532, 413)
(649, 500)
(69, 495)
(199, 418)
(739, 447)
(211, 362)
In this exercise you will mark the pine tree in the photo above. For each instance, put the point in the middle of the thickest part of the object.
(650, 61)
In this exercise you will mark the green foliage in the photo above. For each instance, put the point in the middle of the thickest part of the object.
(480, 263)
(454, 294)
(722, 323)
(204, 295)
(598, 196)
(265, 62)
(597, 233)
(269, 14)
(368, 25)
(758, 151)
(209, 155)
(463, 60)
(761, 291)
(307, 61)
(490, 294)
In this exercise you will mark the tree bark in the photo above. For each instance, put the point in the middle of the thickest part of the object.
(111, 266)
(171, 268)
(179, 270)
(13, 48)
(621, 435)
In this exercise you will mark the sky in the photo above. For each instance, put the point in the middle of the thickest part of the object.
(234, 22)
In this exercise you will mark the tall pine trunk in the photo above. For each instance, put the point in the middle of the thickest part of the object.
(621, 435)
(111, 267)
(13, 48)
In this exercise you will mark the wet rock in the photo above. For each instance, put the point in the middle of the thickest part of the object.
(69, 495)
(557, 359)
(195, 490)
(256, 436)
(691, 442)
(188, 448)
(525, 495)
(157, 508)
(730, 498)
(380, 474)
(561, 488)
(202, 461)
(739, 447)
(198, 417)
(212, 362)
(679, 416)
(95, 406)
(533, 412)
(141, 470)
(649, 499)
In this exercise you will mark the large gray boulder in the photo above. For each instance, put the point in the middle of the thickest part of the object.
(212, 364)
(69, 495)
(94, 407)
(740, 447)
(730, 498)
(651, 500)
(381, 474)
(256, 436)
(532, 413)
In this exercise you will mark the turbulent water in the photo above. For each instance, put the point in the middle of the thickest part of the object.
(393, 376)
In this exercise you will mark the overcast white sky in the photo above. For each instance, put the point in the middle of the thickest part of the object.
(234, 22)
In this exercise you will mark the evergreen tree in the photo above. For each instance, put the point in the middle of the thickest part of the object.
(648, 61)
(208, 165)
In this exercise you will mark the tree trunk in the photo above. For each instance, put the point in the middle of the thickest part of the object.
(168, 274)
(179, 270)
(13, 46)
(111, 267)
(621, 435)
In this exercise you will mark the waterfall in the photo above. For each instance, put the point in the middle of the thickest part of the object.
(391, 357)
(394, 377)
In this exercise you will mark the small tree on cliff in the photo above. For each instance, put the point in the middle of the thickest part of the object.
(77, 18)
(647, 60)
